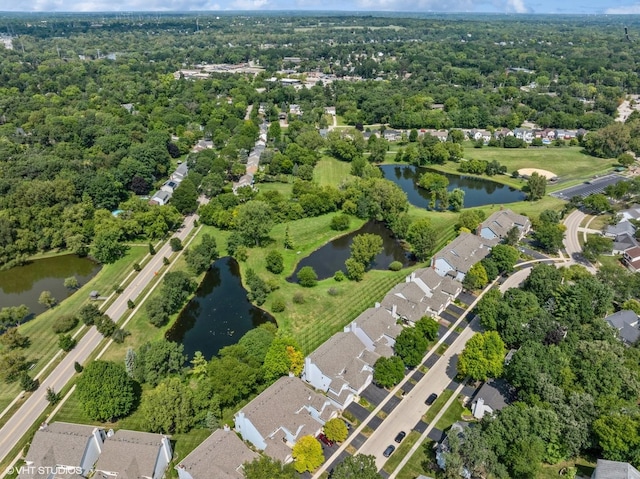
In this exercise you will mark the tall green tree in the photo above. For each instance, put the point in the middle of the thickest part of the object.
(168, 408)
(411, 345)
(307, 454)
(105, 391)
(536, 186)
(356, 467)
(483, 356)
(185, 197)
(365, 247)
(423, 238)
(254, 222)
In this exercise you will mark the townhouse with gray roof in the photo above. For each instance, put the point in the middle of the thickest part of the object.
(498, 225)
(342, 367)
(282, 414)
(133, 455)
(62, 450)
(455, 259)
(614, 470)
(221, 456)
(377, 329)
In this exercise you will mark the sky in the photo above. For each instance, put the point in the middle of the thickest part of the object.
(492, 6)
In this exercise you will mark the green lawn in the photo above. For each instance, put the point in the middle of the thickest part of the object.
(422, 462)
(44, 342)
(452, 414)
(401, 451)
(585, 468)
(439, 403)
(330, 171)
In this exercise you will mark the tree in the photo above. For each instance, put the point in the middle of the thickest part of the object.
(13, 364)
(549, 236)
(27, 383)
(52, 396)
(185, 197)
(265, 467)
(88, 314)
(12, 339)
(423, 238)
(387, 372)
(505, 257)
(176, 244)
(106, 247)
(283, 357)
(357, 467)
(365, 247)
(71, 282)
(470, 219)
(254, 222)
(428, 327)
(625, 159)
(340, 222)
(200, 257)
(433, 181)
(513, 236)
(307, 454)
(596, 203)
(275, 262)
(476, 278)
(355, 269)
(105, 391)
(47, 299)
(168, 408)
(482, 357)
(595, 246)
(157, 360)
(411, 345)
(536, 186)
(456, 199)
(66, 342)
(336, 430)
(307, 277)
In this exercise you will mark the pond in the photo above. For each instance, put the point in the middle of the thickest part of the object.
(219, 314)
(477, 191)
(23, 284)
(331, 257)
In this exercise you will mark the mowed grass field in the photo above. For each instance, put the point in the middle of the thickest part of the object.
(43, 341)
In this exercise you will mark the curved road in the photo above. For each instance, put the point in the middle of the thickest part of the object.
(35, 405)
(571, 241)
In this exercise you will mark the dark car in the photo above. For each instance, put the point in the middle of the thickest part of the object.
(325, 439)
(400, 436)
(388, 451)
(431, 399)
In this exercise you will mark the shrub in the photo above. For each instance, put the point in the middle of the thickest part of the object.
(66, 342)
(241, 254)
(27, 383)
(64, 324)
(340, 222)
(395, 266)
(130, 304)
(176, 244)
(78, 367)
(278, 305)
(298, 298)
(275, 262)
(137, 267)
(118, 335)
(307, 277)
(339, 276)
(333, 291)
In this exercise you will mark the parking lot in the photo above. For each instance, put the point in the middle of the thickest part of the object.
(588, 188)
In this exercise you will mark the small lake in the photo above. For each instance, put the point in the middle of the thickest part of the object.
(331, 257)
(477, 191)
(219, 314)
(23, 284)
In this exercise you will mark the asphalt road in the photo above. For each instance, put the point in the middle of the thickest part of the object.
(413, 407)
(571, 242)
(35, 405)
(592, 187)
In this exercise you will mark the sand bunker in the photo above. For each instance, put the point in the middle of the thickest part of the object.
(526, 172)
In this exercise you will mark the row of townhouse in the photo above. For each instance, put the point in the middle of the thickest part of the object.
(253, 160)
(164, 194)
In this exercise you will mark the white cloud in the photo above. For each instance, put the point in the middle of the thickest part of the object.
(516, 6)
(624, 10)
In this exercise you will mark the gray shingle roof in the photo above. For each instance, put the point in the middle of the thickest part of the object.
(620, 228)
(221, 455)
(131, 454)
(626, 322)
(57, 444)
(378, 322)
(502, 221)
(465, 251)
(615, 470)
(496, 393)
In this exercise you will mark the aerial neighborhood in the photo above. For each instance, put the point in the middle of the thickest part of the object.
(249, 245)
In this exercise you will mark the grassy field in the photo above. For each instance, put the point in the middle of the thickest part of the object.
(43, 341)
(585, 468)
(422, 462)
(452, 414)
(439, 403)
(401, 451)
(330, 171)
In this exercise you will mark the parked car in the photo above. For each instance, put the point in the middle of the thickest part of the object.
(431, 399)
(325, 439)
(388, 451)
(400, 437)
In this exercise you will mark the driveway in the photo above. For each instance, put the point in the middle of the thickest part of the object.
(374, 394)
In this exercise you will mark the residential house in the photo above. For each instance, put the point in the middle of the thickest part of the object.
(498, 225)
(493, 396)
(477, 135)
(377, 329)
(330, 110)
(502, 132)
(342, 367)
(392, 135)
(295, 109)
(623, 242)
(622, 227)
(68, 449)
(220, 456)
(525, 134)
(442, 448)
(245, 180)
(631, 257)
(180, 173)
(441, 135)
(632, 213)
(614, 470)
(460, 255)
(548, 133)
(134, 455)
(282, 414)
(626, 323)
(161, 197)
(170, 186)
(202, 145)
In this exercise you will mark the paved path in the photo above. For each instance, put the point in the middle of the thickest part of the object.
(18, 425)
(571, 241)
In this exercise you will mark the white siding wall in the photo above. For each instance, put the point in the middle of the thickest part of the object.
(314, 376)
(163, 459)
(248, 431)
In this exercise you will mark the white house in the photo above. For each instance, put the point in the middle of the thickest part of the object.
(614, 470)
(134, 455)
(493, 396)
(161, 197)
(180, 172)
(282, 414)
(525, 134)
(67, 448)
(498, 225)
(169, 186)
(460, 255)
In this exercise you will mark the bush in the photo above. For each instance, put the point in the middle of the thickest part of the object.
(137, 267)
(78, 367)
(340, 222)
(298, 298)
(307, 277)
(275, 262)
(241, 254)
(278, 305)
(66, 342)
(333, 291)
(130, 304)
(339, 276)
(395, 266)
(64, 324)
(176, 244)
(118, 335)
(88, 314)
(27, 383)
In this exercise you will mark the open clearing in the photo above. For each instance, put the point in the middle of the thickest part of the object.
(530, 171)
